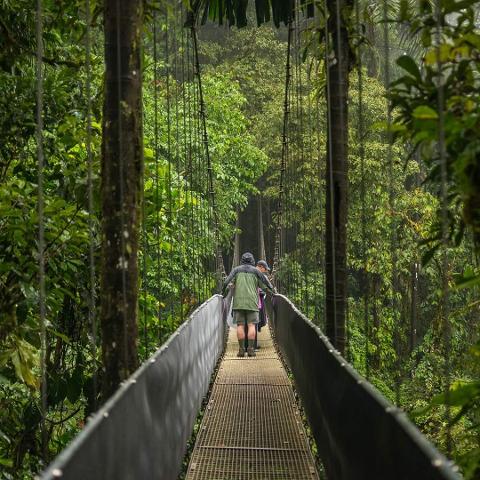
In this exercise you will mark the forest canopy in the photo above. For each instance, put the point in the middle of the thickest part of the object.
(405, 139)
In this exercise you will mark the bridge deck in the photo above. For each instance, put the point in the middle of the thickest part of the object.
(252, 428)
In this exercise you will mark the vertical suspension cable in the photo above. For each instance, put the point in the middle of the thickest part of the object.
(92, 320)
(310, 194)
(181, 243)
(157, 172)
(178, 165)
(196, 183)
(444, 221)
(338, 18)
(167, 180)
(321, 207)
(302, 276)
(281, 195)
(122, 189)
(144, 247)
(361, 139)
(191, 125)
(220, 268)
(391, 204)
(287, 270)
(330, 169)
(41, 224)
(177, 156)
(296, 158)
(156, 178)
(144, 274)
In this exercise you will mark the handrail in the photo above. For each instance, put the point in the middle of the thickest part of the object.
(143, 429)
(358, 432)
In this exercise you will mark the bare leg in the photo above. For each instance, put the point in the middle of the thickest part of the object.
(241, 339)
(251, 331)
(241, 332)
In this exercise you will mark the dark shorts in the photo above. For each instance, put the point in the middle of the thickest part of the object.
(241, 317)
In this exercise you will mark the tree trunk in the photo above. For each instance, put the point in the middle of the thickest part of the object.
(337, 175)
(371, 50)
(376, 279)
(261, 236)
(121, 189)
(413, 306)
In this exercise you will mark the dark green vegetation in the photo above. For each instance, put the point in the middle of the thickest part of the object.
(403, 251)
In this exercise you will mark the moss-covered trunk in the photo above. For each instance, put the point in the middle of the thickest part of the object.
(337, 174)
(121, 190)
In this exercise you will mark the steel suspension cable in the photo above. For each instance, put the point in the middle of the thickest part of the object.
(157, 174)
(296, 158)
(144, 240)
(121, 175)
(302, 89)
(183, 184)
(220, 267)
(361, 140)
(173, 178)
(338, 20)
(330, 170)
(287, 224)
(391, 204)
(190, 178)
(92, 319)
(201, 188)
(41, 223)
(197, 182)
(321, 179)
(168, 177)
(444, 221)
(281, 195)
(289, 180)
(310, 193)
(170, 24)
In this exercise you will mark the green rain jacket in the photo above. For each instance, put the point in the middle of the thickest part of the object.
(247, 279)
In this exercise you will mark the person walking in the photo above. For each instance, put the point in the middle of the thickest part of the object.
(262, 265)
(246, 280)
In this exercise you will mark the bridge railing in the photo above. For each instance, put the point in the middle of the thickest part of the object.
(359, 434)
(143, 430)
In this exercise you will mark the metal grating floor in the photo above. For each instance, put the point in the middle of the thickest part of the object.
(252, 428)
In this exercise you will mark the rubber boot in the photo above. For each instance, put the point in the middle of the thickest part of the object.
(251, 348)
(241, 348)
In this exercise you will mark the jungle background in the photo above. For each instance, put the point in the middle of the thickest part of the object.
(402, 349)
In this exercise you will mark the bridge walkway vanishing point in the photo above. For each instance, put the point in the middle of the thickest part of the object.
(252, 427)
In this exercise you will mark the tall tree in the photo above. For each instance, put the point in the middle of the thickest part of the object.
(121, 189)
(337, 171)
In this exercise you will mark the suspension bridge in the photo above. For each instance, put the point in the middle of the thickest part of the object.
(298, 410)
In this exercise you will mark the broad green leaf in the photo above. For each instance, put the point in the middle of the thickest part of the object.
(408, 64)
(424, 112)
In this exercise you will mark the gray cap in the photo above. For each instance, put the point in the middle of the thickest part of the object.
(264, 264)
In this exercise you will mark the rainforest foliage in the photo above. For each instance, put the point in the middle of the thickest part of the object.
(413, 228)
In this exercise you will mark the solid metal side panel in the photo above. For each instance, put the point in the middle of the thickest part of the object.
(359, 434)
(142, 431)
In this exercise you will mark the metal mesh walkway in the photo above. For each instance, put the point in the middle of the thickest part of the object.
(252, 428)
